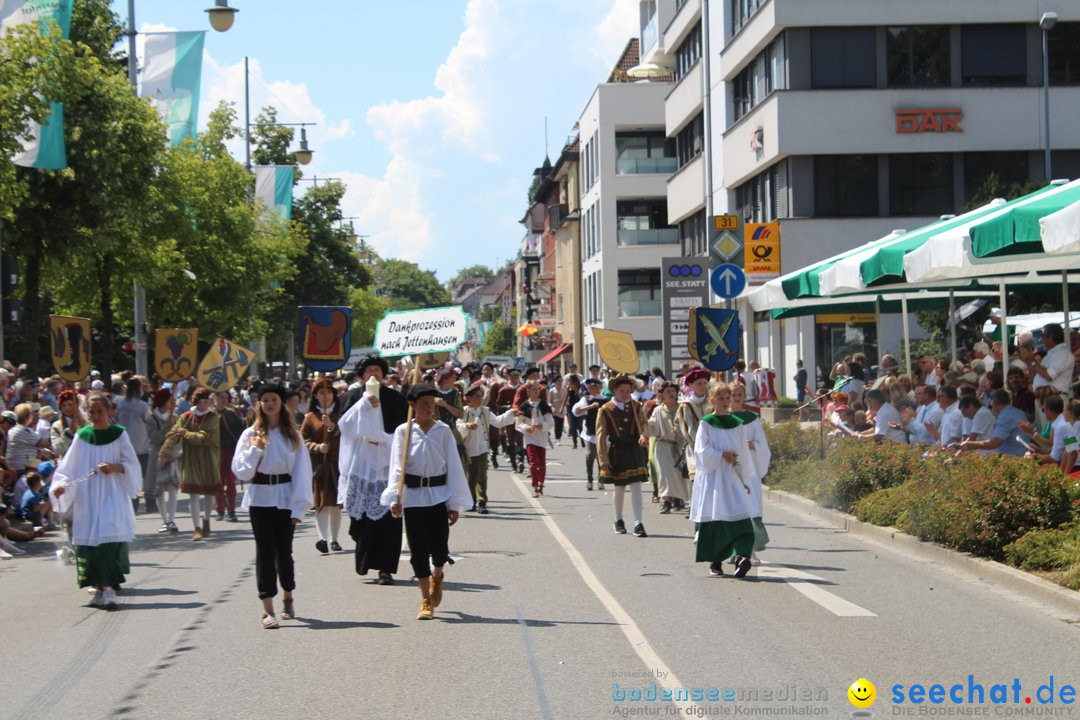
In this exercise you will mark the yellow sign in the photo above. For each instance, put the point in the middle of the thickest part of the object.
(175, 353)
(223, 365)
(617, 350)
(69, 338)
(430, 361)
(726, 222)
(762, 254)
(844, 318)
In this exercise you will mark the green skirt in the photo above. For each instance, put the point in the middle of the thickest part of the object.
(103, 565)
(719, 540)
(761, 535)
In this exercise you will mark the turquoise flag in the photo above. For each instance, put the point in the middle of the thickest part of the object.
(172, 72)
(274, 186)
(43, 146)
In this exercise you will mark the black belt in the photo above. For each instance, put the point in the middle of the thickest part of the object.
(416, 481)
(264, 479)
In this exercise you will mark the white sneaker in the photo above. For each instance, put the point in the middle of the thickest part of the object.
(108, 600)
(98, 599)
(13, 549)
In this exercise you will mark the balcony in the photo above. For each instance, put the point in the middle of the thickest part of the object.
(646, 166)
(651, 236)
(686, 190)
(639, 308)
(649, 35)
(685, 100)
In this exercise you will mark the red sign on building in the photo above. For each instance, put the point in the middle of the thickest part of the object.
(929, 121)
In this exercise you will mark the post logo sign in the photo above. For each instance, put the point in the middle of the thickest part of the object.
(762, 255)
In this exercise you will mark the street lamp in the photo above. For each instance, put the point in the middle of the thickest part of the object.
(302, 156)
(221, 15)
(1046, 24)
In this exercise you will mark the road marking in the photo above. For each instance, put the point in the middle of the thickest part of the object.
(630, 629)
(798, 580)
(545, 707)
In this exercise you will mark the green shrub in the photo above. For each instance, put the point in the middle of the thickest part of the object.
(807, 477)
(861, 468)
(789, 443)
(1055, 551)
(783, 401)
(885, 507)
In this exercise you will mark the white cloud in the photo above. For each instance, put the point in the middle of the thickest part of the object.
(615, 30)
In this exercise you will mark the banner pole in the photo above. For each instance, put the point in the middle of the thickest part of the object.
(414, 373)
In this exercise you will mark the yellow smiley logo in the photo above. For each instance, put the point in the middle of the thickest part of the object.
(862, 693)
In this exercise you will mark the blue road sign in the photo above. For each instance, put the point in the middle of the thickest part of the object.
(728, 280)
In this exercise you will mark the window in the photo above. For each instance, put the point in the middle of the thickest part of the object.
(993, 55)
(920, 184)
(639, 292)
(690, 142)
(760, 78)
(845, 185)
(741, 11)
(917, 56)
(644, 222)
(843, 57)
(764, 198)
(650, 353)
(559, 301)
(1065, 54)
(693, 235)
(1008, 167)
(644, 152)
(688, 53)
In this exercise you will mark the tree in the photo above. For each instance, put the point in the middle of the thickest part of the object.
(495, 341)
(404, 286)
(470, 272)
(367, 309)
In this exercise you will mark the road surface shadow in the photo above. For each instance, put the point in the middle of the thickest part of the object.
(161, 605)
(469, 587)
(810, 567)
(808, 581)
(305, 623)
(466, 619)
(147, 592)
(820, 550)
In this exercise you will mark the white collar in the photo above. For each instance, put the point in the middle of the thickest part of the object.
(621, 406)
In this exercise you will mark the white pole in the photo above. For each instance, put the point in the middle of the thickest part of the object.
(1065, 302)
(1004, 328)
(907, 334)
(952, 327)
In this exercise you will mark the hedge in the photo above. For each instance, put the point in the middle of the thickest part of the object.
(999, 507)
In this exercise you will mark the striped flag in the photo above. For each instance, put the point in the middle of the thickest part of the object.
(274, 186)
(172, 71)
(43, 146)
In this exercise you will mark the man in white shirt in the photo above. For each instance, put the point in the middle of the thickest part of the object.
(927, 416)
(951, 418)
(981, 417)
(1056, 367)
(886, 419)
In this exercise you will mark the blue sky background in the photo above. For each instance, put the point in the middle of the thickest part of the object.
(431, 111)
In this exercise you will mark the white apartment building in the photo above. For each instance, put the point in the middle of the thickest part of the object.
(625, 160)
(846, 120)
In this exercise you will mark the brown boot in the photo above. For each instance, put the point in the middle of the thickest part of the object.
(206, 528)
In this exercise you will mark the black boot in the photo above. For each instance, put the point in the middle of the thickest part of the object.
(74, 334)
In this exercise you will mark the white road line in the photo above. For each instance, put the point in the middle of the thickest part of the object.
(798, 580)
(630, 629)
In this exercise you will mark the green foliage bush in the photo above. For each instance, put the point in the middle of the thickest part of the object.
(789, 444)
(860, 468)
(1056, 551)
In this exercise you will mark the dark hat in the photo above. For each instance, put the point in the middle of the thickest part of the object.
(694, 375)
(621, 380)
(200, 394)
(373, 359)
(420, 390)
(159, 398)
(532, 370)
(474, 388)
(272, 388)
(487, 364)
(323, 383)
(446, 370)
(514, 371)
(593, 381)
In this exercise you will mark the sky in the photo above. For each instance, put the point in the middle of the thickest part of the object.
(430, 111)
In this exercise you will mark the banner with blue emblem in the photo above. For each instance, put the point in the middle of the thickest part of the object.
(325, 335)
(714, 337)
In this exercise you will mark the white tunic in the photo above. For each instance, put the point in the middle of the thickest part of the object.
(533, 416)
(718, 490)
(755, 462)
(100, 505)
(477, 441)
(280, 457)
(363, 460)
(431, 453)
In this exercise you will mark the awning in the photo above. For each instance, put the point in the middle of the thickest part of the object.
(555, 353)
(1017, 232)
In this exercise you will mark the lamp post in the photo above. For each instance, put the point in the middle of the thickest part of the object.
(1046, 24)
(303, 155)
(221, 19)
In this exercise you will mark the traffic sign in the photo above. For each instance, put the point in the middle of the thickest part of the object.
(728, 280)
(726, 245)
(726, 222)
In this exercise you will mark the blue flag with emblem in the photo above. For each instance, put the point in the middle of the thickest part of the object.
(43, 145)
(274, 186)
(325, 337)
(172, 73)
(714, 337)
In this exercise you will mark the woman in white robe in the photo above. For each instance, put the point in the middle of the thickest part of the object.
(663, 426)
(721, 503)
(95, 483)
(756, 458)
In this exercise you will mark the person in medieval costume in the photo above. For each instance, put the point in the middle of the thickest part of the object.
(756, 459)
(475, 425)
(692, 408)
(323, 439)
(668, 449)
(621, 447)
(367, 429)
(198, 433)
(95, 482)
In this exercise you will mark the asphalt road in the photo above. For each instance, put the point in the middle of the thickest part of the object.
(547, 614)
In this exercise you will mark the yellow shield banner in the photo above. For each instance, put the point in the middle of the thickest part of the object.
(617, 350)
(70, 345)
(223, 365)
(175, 353)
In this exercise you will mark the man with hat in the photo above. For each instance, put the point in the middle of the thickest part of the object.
(434, 492)
(367, 430)
(475, 425)
(492, 384)
(448, 403)
(621, 446)
(514, 443)
(588, 406)
(692, 408)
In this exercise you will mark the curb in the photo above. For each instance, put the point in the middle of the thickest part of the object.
(1064, 602)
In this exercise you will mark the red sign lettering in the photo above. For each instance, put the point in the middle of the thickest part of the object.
(909, 122)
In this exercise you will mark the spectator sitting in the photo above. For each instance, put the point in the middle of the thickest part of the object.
(1003, 437)
(860, 423)
(34, 508)
(46, 416)
(981, 419)
(1072, 417)
(1051, 447)
(886, 420)
(926, 427)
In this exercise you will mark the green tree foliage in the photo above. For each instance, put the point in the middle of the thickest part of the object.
(470, 272)
(495, 341)
(404, 286)
(367, 309)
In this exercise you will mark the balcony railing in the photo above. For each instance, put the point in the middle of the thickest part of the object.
(639, 308)
(649, 35)
(654, 236)
(644, 166)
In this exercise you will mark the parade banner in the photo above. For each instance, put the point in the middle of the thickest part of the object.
(175, 353)
(415, 332)
(274, 186)
(172, 72)
(617, 350)
(325, 337)
(43, 145)
(714, 337)
(223, 365)
(70, 345)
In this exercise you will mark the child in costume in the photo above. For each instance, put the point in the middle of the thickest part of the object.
(474, 426)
